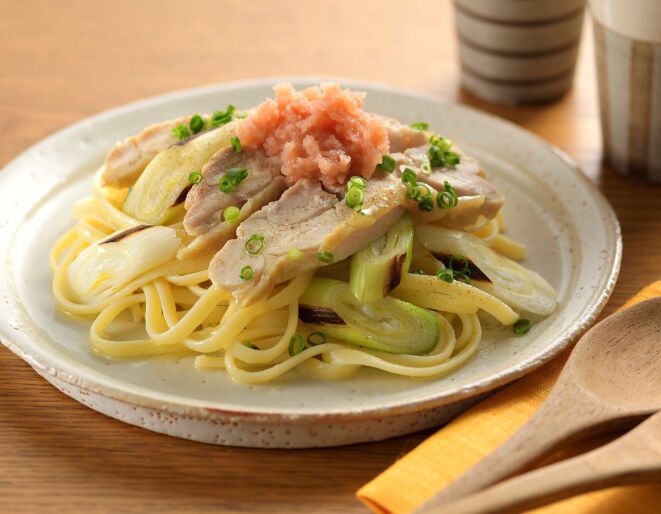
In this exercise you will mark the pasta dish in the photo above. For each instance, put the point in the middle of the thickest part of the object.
(302, 234)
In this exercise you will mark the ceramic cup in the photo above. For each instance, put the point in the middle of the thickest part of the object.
(627, 38)
(514, 51)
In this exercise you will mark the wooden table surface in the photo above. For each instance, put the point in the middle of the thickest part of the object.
(65, 60)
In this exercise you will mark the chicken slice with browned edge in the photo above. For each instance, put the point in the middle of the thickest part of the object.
(206, 202)
(128, 158)
(468, 180)
(400, 136)
(305, 229)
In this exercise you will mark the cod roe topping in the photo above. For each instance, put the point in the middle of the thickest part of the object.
(321, 133)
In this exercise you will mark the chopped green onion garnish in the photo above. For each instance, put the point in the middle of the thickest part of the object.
(417, 191)
(236, 175)
(294, 254)
(231, 214)
(447, 198)
(246, 273)
(436, 157)
(423, 189)
(462, 277)
(225, 185)
(446, 275)
(458, 263)
(387, 164)
(315, 338)
(241, 115)
(196, 123)
(250, 345)
(354, 198)
(296, 345)
(358, 182)
(410, 176)
(413, 192)
(417, 271)
(521, 327)
(451, 159)
(219, 119)
(181, 131)
(232, 178)
(195, 177)
(440, 142)
(222, 117)
(254, 244)
(439, 153)
(421, 125)
(236, 144)
(426, 204)
(326, 257)
(425, 167)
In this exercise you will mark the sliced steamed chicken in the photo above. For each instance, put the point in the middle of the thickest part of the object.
(478, 198)
(129, 157)
(205, 202)
(402, 137)
(305, 229)
(508, 281)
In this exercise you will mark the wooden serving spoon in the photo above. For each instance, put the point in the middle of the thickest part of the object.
(633, 458)
(612, 380)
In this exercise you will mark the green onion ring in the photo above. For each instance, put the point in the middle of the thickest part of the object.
(321, 338)
(246, 273)
(453, 261)
(296, 345)
(521, 327)
(255, 244)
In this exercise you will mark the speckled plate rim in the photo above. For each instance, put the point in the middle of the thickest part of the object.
(54, 363)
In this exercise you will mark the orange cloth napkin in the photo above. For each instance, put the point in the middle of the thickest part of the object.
(450, 452)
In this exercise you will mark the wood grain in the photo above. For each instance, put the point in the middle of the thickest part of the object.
(611, 382)
(62, 61)
(634, 458)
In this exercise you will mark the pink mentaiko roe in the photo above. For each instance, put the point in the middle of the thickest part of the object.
(321, 133)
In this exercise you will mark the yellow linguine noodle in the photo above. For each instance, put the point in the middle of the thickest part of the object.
(173, 308)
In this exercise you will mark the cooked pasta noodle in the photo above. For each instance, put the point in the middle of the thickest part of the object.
(305, 234)
(179, 311)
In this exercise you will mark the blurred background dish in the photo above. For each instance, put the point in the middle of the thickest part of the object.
(518, 52)
(627, 41)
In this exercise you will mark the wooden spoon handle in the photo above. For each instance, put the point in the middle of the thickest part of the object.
(633, 458)
(561, 418)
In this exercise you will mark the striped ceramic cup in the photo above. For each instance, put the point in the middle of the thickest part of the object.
(518, 51)
(627, 37)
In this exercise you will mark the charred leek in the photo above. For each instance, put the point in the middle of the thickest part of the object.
(388, 325)
(167, 175)
(508, 281)
(377, 268)
(107, 265)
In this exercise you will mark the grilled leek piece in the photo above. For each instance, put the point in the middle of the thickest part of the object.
(388, 325)
(378, 268)
(166, 177)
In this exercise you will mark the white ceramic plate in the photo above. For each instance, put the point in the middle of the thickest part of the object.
(571, 232)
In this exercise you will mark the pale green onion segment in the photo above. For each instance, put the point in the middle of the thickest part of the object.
(378, 267)
(106, 266)
(168, 174)
(389, 325)
(231, 214)
(508, 281)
